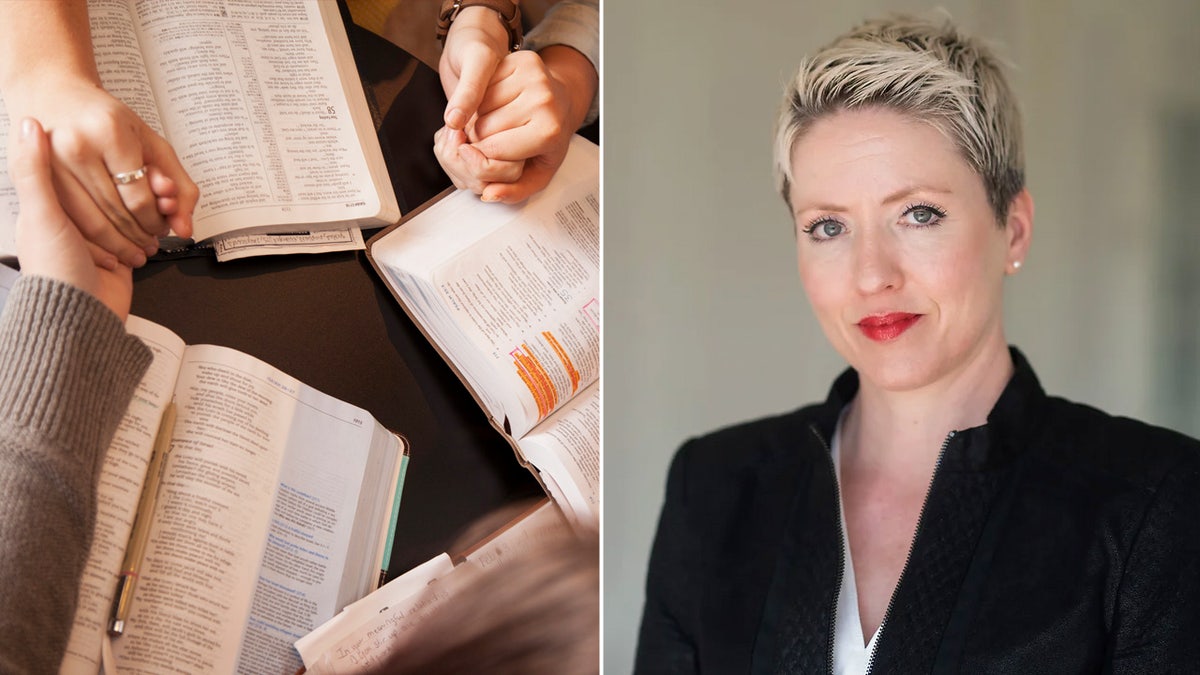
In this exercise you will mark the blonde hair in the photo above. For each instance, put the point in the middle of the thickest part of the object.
(930, 71)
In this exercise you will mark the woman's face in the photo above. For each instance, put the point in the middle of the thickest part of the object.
(900, 253)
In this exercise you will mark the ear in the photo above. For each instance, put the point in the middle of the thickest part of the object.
(1018, 228)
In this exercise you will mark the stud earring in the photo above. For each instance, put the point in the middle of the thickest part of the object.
(1016, 264)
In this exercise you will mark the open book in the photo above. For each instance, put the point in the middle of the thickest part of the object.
(273, 513)
(264, 107)
(509, 295)
(368, 631)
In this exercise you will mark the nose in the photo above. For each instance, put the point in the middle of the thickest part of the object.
(876, 262)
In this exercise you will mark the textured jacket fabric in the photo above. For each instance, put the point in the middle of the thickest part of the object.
(1054, 539)
(67, 373)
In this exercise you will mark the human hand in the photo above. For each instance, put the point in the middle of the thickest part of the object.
(92, 137)
(531, 108)
(475, 44)
(467, 167)
(48, 242)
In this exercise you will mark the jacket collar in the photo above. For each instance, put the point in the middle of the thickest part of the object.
(1010, 426)
(794, 632)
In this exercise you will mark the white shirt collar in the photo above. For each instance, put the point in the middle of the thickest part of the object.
(850, 655)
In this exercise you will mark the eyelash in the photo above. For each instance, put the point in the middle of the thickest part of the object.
(820, 220)
(938, 214)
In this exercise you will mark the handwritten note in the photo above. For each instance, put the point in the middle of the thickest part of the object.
(369, 630)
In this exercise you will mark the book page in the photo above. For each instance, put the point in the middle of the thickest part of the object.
(565, 448)
(510, 294)
(205, 541)
(227, 558)
(348, 625)
(123, 74)
(235, 246)
(528, 297)
(121, 478)
(381, 623)
(8, 277)
(10, 206)
(119, 59)
(252, 102)
(323, 526)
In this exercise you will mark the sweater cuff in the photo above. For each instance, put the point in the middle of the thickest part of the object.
(67, 367)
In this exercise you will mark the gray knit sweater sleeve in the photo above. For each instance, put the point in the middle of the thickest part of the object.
(67, 373)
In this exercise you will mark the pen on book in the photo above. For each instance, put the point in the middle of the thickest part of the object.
(141, 523)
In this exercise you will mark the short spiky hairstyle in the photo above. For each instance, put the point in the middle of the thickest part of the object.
(930, 71)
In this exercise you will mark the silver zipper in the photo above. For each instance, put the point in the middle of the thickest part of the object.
(841, 568)
(908, 558)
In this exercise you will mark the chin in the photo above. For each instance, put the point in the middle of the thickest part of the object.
(895, 372)
(904, 376)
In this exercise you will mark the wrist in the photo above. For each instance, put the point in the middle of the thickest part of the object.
(499, 20)
(481, 24)
(47, 39)
(575, 73)
(34, 84)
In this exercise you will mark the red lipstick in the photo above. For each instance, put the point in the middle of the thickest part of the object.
(885, 327)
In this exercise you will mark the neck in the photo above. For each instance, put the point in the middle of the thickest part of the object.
(906, 429)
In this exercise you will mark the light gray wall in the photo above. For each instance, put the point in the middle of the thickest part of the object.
(706, 322)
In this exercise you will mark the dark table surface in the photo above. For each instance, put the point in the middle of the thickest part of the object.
(329, 321)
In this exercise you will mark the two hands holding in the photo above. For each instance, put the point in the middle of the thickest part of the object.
(112, 178)
(510, 117)
(117, 180)
(95, 200)
(48, 241)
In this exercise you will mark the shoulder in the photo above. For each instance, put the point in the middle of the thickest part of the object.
(1126, 450)
(1142, 485)
(745, 462)
(766, 442)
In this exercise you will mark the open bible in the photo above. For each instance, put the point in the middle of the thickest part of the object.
(264, 107)
(509, 295)
(274, 512)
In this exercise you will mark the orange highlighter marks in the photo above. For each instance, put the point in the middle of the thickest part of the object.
(535, 377)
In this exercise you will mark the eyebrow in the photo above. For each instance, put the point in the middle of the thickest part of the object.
(899, 195)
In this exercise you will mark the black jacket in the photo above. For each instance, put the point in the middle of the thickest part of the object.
(1054, 539)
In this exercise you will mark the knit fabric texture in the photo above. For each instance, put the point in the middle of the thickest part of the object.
(67, 373)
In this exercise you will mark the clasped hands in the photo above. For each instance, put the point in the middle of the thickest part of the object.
(509, 117)
(94, 139)
(49, 242)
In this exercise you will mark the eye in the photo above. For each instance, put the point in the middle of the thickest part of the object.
(923, 215)
(824, 229)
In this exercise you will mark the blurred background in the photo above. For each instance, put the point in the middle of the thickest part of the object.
(706, 323)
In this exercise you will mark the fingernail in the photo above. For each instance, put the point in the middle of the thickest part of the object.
(455, 119)
(489, 198)
(150, 249)
(137, 260)
(27, 127)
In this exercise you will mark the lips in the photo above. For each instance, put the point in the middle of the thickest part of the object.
(887, 327)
